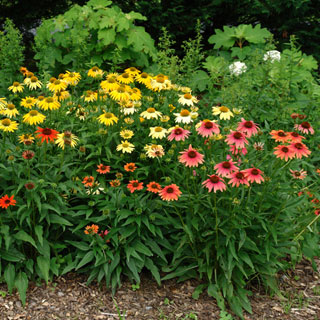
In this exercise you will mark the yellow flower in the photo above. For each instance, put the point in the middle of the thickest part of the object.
(126, 134)
(157, 132)
(10, 110)
(72, 78)
(8, 125)
(132, 71)
(128, 120)
(171, 107)
(66, 139)
(187, 99)
(16, 87)
(135, 94)
(33, 117)
(144, 78)
(120, 94)
(57, 85)
(61, 95)
(165, 118)
(108, 118)
(223, 111)
(26, 138)
(28, 102)
(109, 84)
(125, 146)
(3, 103)
(159, 83)
(34, 83)
(90, 96)
(151, 113)
(125, 78)
(95, 72)
(49, 103)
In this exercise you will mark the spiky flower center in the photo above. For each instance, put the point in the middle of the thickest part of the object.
(178, 131)
(6, 122)
(305, 125)
(49, 100)
(33, 113)
(57, 82)
(47, 131)
(158, 129)
(144, 75)
(184, 113)
(255, 172)
(223, 109)
(226, 165)
(248, 124)
(10, 106)
(108, 115)
(34, 79)
(208, 125)
(151, 110)
(237, 135)
(16, 84)
(125, 75)
(285, 149)
(240, 175)
(298, 146)
(187, 96)
(95, 69)
(192, 154)
(214, 179)
(295, 134)
(170, 190)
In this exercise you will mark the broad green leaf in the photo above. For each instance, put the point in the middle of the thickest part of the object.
(21, 283)
(44, 266)
(154, 270)
(22, 235)
(54, 218)
(106, 36)
(39, 232)
(99, 4)
(86, 259)
(9, 276)
(225, 38)
(140, 247)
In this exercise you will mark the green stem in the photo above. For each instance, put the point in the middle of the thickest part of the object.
(305, 228)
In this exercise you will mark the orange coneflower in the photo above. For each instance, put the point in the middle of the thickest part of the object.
(300, 150)
(170, 193)
(134, 185)
(88, 181)
(6, 201)
(284, 152)
(130, 167)
(115, 183)
(225, 168)
(46, 133)
(298, 174)
(153, 187)
(254, 175)
(103, 169)
(93, 229)
(237, 178)
(280, 135)
(295, 137)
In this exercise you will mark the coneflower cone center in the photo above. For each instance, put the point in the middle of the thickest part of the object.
(192, 154)
(184, 113)
(135, 184)
(298, 145)
(10, 106)
(208, 125)
(226, 165)
(47, 131)
(239, 175)
(49, 100)
(295, 134)
(33, 113)
(6, 122)
(125, 75)
(170, 190)
(305, 125)
(255, 172)
(158, 129)
(187, 96)
(7, 201)
(282, 134)
(214, 179)
(224, 109)
(178, 131)
(248, 124)
(16, 84)
(285, 149)
(237, 135)
(144, 75)
(108, 115)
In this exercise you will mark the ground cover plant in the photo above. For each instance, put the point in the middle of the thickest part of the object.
(115, 173)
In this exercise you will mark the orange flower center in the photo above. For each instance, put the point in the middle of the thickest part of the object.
(184, 113)
(10, 106)
(6, 122)
(34, 79)
(151, 110)
(158, 129)
(144, 75)
(187, 96)
(16, 84)
(224, 109)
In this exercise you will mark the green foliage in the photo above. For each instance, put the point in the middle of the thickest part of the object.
(103, 36)
(11, 55)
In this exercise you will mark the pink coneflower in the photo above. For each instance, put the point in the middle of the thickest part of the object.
(170, 193)
(279, 135)
(295, 137)
(237, 138)
(248, 127)
(225, 168)
(214, 182)
(304, 127)
(178, 134)
(237, 178)
(298, 174)
(191, 157)
(208, 128)
(236, 151)
(253, 175)
(300, 150)
(284, 152)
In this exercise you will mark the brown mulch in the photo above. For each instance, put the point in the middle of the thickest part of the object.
(69, 297)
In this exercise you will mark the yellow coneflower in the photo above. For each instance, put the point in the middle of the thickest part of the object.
(26, 139)
(66, 139)
(72, 78)
(51, 80)
(125, 146)
(49, 103)
(126, 134)
(224, 112)
(120, 94)
(151, 113)
(157, 132)
(16, 87)
(33, 117)
(144, 78)
(28, 102)
(90, 96)
(61, 95)
(95, 72)
(10, 110)
(109, 84)
(135, 94)
(8, 125)
(34, 83)
(125, 78)
(132, 71)
(57, 85)
(3, 103)
(108, 118)
(28, 76)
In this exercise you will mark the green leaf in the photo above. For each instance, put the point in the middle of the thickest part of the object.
(106, 36)
(135, 15)
(214, 291)
(86, 259)
(225, 38)
(44, 266)
(54, 218)
(39, 232)
(21, 283)
(99, 4)
(9, 276)
(197, 291)
(140, 40)
(154, 270)
(22, 235)
(13, 255)
(132, 266)
(256, 34)
(140, 247)
(200, 80)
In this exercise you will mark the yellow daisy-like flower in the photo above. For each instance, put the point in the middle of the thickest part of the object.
(16, 87)
(135, 94)
(51, 80)
(157, 132)
(125, 146)
(28, 76)
(72, 78)
(128, 120)
(61, 95)
(132, 71)
(185, 116)
(57, 85)
(8, 125)
(108, 118)
(95, 72)
(160, 83)
(10, 110)
(187, 99)
(224, 112)
(126, 134)
(33, 117)
(90, 96)
(125, 78)
(144, 78)
(165, 118)
(120, 94)
(28, 102)
(110, 84)
(34, 83)
(66, 139)
(49, 103)
(3, 103)
(151, 113)
(26, 138)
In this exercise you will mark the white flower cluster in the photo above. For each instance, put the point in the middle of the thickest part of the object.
(237, 68)
(273, 55)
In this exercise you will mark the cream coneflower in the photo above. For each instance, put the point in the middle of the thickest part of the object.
(125, 147)
(187, 99)
(33, 117)
(157, 132)
(126, 134)
(185, 116)
(223, 111)
(16, 87)
(298, 174)
(151, 113)
(34, 83)
(154, 151)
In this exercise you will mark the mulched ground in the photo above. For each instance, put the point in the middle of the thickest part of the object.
(69, 297)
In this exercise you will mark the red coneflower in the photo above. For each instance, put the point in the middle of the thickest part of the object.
(153, 187)
(295, 137)
(46, 133)
(103, 169)
(191, 157)
(30, 185)
(237, 178)
(178, 134)
(298, 174)
(214, 182)
(208, 128)
(225, 168)
(304, 127)
(88, 181)
(317, 212)
(236, 138)
(28, 154)
(6, 201)
(115, 183)
(134, 185)
(170, 193)
(248, 127)
(284, 152)
(300, 150)
(253, 175)
(130, 167)
(93, 229)
(279, 135)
